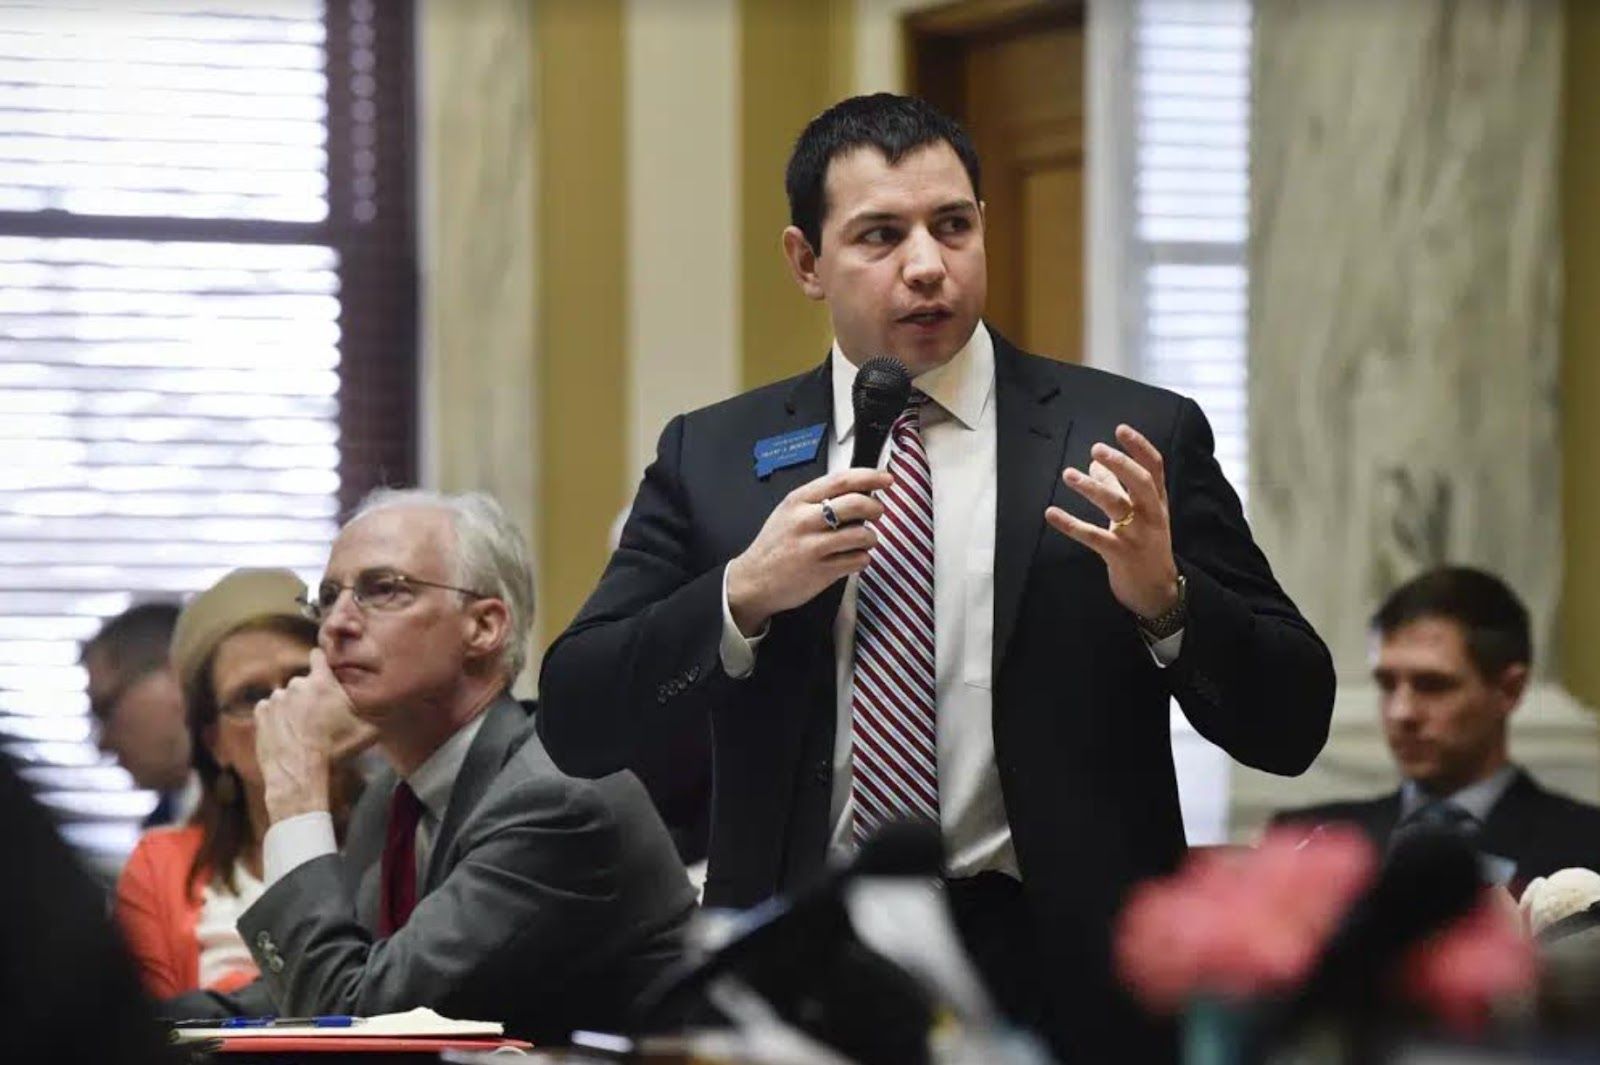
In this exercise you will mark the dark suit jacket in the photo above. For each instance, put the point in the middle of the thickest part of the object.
(1540, 830)
(68, 990)
(548, 903)
(1080, 707)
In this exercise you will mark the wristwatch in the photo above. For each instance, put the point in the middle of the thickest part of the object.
(1170, 621)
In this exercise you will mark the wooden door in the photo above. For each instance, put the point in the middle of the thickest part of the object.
(1012, 72)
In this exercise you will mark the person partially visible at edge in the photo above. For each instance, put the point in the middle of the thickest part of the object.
(68, 991)
(137, 707)
(183, 888)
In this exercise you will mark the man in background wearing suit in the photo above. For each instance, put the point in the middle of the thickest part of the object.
(138, 709)
(477, 879)
(1452, 663)
(869, 643)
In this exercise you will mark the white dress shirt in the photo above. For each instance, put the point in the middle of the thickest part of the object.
(1477, 799)
(293, 841)
(958, 434)
(222, 949)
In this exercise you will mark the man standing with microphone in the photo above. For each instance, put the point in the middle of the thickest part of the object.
(985, 632)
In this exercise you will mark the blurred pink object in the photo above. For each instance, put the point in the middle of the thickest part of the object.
(1248, 923)
(1241, 923)
(1459, 973)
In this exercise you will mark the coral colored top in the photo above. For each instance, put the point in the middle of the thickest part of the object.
(159, 913)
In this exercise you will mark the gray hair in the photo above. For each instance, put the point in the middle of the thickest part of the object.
(491, 557)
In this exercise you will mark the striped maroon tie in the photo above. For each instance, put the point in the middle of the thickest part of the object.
(895, 756)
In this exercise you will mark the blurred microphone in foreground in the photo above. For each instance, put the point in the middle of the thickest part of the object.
(1304, 930)
(866, 962)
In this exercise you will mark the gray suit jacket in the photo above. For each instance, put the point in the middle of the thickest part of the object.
(549, 902)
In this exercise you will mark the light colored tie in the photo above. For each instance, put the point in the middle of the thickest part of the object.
(895, 758)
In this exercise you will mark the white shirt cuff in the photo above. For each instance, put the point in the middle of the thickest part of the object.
(292, 842)
(738, 650)
(1165, 650)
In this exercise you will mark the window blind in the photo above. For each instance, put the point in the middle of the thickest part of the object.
(1191, 209)
(204, 237)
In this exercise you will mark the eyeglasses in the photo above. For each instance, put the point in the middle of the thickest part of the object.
(374, 590)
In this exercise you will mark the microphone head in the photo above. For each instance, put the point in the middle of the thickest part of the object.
(878, 396)
(1429, 879)
(913, 847)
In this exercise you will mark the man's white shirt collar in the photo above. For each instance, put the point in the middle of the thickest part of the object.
(434, 779)
(962, 386)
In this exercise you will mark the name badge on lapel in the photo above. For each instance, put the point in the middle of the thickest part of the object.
(788, 449)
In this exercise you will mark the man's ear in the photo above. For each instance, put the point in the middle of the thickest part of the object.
(1513, 681)
(802, 260)
(487, 627)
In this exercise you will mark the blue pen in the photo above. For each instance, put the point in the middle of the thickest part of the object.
(331, 1021)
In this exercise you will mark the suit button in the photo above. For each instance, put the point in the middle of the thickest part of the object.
(822, 772)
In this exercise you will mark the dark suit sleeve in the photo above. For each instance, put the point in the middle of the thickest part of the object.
(530, 895)
(629, 684)
(1253, 677)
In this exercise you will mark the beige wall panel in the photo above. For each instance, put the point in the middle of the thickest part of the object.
(476, 176)
(791, 68)
(1580, 363)
(683, 214)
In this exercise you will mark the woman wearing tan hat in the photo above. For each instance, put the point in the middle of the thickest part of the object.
(183, 888)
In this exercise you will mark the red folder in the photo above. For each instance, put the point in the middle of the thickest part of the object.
(360, 1044)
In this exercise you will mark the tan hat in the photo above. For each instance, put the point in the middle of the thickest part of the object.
(242, 597)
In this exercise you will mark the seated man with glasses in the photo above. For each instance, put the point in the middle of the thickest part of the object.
(476, 879)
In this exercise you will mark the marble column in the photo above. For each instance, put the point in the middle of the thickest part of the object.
(477, 263)
(1405, 273)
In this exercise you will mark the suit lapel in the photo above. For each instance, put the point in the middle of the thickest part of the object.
(1031, 431)
(1385, 815)
(1505, 830)
(810, 402)
(363, 846)
(503, 722)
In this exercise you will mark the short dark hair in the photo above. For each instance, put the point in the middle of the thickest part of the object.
(894, 125)
(136, 641)
(1492, 618)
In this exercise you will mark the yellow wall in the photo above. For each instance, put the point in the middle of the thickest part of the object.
(795, 60)
(1580, 369)
(583, 278)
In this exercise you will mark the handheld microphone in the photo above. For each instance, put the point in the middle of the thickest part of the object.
(878, 396)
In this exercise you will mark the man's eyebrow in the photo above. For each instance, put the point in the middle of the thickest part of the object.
(873, 217)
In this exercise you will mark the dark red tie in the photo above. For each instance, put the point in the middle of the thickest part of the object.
(895, 752)
(399, 895)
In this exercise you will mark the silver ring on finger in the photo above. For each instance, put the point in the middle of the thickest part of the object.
(830, 517)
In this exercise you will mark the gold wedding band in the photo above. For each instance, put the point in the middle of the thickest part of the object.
(1124, 521)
